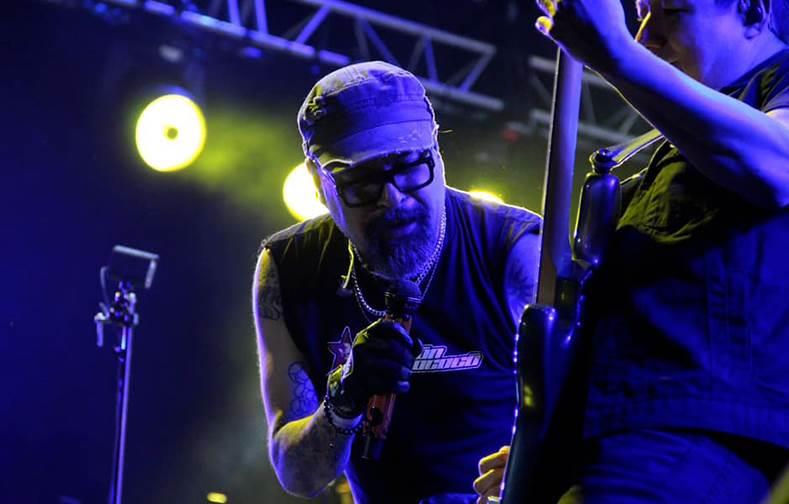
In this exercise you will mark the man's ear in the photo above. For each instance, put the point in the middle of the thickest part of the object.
(754, 14)
(316, 179)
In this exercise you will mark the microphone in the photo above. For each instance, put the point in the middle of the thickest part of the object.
(402, 299)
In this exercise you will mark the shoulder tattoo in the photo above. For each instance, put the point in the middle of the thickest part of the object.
(269, 297)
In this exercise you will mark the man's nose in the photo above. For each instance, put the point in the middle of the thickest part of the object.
(391, 196)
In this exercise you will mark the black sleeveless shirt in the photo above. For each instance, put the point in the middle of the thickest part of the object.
(691, 313)
(462, 398)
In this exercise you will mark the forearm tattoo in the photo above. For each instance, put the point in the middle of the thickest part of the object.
(269, 295)
(305, 400)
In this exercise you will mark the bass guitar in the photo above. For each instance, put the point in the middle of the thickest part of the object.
(549, 415)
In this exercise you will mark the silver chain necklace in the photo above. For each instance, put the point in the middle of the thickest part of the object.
(418, 279)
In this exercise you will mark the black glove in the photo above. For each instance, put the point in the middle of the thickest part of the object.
(380, 362)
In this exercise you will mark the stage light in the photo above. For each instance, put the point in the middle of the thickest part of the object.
(217, 497)
(300, 195)
(485, 196)
(170, 133)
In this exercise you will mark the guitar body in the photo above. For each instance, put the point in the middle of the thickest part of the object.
(537, 330)
(548, 422)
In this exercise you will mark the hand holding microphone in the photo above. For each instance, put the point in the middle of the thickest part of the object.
(380, 363)
(378, 367)
(402, 300)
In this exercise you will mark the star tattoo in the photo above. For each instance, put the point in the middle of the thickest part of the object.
(341, 349)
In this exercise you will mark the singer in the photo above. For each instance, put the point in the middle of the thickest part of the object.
(327, 340)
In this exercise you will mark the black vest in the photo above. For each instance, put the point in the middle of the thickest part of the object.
(692, 309)
(462, 396)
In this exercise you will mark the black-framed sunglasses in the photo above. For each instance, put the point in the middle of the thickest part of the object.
(360, 186)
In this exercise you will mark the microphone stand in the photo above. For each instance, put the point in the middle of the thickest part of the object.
(121, 313)
(131, 268)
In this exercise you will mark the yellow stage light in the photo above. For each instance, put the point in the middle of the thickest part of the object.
(217, 497)
(170, 133)
(485, 195)
(300, 195)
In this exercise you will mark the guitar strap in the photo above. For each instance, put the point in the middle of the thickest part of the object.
(616, 155)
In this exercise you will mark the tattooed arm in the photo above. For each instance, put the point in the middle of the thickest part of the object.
(521, 273)
(305, 450)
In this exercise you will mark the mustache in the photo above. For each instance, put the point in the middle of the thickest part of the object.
(395, 216)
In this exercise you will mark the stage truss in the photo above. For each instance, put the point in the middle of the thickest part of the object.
(449, 65)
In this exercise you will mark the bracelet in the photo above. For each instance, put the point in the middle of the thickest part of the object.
(345, 426)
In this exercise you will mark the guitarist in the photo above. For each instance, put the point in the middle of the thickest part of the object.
(688, 395)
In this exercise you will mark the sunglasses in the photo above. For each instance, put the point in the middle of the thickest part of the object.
(360, 185)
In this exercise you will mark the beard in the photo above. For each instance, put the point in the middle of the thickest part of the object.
(397, 257)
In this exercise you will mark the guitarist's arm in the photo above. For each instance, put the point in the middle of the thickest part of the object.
(740, 148)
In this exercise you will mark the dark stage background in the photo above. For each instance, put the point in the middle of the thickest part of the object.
(73, 186)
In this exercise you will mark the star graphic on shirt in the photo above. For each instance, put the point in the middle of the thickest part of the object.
(341, 349)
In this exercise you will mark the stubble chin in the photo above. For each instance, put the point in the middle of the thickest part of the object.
(403, 258)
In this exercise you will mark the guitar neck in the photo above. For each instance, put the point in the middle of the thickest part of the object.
(556, 255)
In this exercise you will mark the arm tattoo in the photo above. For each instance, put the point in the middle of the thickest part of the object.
(304, 400)
(269, 295)
(519, 285)
(520, 280)
(520, 274)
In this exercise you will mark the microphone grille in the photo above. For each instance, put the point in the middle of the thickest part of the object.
(402, 298)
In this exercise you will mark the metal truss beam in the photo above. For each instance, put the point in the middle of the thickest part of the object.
(248, 20)
(605, 117)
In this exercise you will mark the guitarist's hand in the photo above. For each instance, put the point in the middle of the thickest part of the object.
(593, 31)
(491, 472)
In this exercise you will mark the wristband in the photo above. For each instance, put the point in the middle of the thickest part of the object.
(345, 426)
